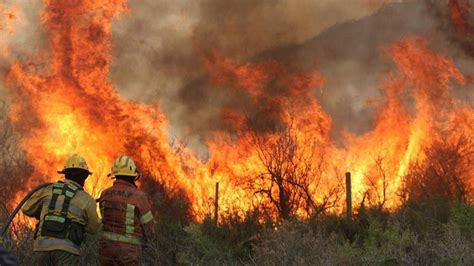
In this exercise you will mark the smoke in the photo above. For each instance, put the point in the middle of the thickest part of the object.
(159, 49)
(351, 55)
(242, 29)
(456, 20)
(157, 45)
(21, 34)
(455, 24)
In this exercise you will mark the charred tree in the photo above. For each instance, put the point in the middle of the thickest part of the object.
(377, 180)
(293, 173)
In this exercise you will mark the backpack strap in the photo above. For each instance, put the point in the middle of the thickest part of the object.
(69, 192)
(60, 188)
(57, 190)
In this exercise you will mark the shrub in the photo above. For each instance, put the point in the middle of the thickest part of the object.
(201, 248)
(166, 244)
(447, 247)
(294, 243)
(463, 216)
(387, 244)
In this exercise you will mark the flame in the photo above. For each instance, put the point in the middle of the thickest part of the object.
(459, 10)
(66, 104)
(378, 159)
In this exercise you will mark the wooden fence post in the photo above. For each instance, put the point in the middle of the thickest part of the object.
(216, 205)
(348, 197)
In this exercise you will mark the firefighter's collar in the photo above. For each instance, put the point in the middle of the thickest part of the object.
(123, 182)
(69, 181)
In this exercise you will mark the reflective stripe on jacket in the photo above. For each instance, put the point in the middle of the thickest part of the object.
(82, 209)
(126, 213)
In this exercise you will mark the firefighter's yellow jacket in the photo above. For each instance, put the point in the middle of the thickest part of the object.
(82, 209)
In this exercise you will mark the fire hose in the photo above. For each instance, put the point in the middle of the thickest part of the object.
(18, 207)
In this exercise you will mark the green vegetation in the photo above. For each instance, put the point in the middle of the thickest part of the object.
(424, 233)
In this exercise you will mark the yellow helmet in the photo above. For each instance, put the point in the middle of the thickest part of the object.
(124, 166)
(75, 162)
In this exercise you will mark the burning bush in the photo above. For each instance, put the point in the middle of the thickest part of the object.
(170, 203)
(14, 167)
(444, 173)
(292, 173)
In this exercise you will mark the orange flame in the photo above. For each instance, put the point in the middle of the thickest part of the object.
(378, 159)
(459, 12)
(68, 105)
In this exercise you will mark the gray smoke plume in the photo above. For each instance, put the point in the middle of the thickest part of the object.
(159, 48)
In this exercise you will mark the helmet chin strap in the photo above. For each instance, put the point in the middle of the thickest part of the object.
(138, 176)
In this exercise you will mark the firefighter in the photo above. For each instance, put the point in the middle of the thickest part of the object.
(126, 215)
(65, 212)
